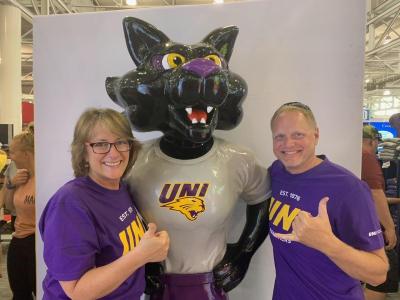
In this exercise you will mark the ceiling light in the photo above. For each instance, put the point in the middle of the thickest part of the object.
(386, 92)
(218, 1)
(131, 2)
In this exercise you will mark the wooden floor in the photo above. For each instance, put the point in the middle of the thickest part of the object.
(393, 296)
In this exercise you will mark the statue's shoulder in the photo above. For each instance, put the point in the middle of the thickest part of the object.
(231, 147)
(148, 147)
(231, 151)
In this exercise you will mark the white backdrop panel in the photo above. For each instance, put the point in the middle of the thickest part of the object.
(308, 50)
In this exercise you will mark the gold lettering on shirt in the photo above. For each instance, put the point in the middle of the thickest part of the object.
(273, 207)
(138, 230)
(131, 235)
(281, 214)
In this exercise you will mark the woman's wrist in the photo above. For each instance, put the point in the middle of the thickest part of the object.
(10, 185)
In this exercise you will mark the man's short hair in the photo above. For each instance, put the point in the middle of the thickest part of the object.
(295, 106)
(370, 132)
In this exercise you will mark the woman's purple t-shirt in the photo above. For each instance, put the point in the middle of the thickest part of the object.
(83, 226)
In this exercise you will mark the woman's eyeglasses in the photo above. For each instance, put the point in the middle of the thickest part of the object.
(105, 147)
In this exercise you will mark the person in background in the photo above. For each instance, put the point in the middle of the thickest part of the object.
(20, 194)
(394, 121)
(371, 173)
(95, 244)
(13, 180)
(324, 230)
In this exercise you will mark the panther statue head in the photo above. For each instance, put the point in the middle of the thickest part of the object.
(185, 91)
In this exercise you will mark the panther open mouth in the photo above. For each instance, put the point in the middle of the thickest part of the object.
(198, 115)
(195, 122)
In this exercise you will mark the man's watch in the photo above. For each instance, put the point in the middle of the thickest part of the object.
(10, 186)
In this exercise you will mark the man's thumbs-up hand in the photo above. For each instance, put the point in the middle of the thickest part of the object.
(308, 230)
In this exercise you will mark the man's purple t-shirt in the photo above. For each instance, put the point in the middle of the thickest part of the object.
(83, 226)
(303, 272)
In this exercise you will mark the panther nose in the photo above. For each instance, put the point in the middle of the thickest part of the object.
(201, 67)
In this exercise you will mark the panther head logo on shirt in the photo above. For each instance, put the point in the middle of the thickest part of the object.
(190, 207)
(186, 198)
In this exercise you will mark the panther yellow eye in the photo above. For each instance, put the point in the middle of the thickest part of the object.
(172, 60)
(215, 59)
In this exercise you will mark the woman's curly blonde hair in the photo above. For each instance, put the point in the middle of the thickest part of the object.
(110, 119)
(26, 141)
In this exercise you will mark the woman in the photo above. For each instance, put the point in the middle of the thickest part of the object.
(19, 193)
(95, 244)
(9, 174)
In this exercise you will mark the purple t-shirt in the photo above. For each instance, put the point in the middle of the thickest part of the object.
(303, 272)
(83, 226)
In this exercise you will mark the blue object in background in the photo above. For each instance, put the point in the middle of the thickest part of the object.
(384, 128)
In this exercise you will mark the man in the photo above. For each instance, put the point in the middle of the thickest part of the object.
(372, 174)
(394, 121)
(324, 230)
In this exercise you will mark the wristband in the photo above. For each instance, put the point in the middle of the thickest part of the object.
(10, 186)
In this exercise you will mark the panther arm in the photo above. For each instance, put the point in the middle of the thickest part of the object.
(233, 267)
(153, 273)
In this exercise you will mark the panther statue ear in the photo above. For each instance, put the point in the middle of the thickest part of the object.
(140, 37)
(223, 39)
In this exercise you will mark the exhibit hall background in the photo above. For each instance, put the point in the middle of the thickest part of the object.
(308, 50)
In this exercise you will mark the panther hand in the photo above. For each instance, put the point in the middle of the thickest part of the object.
(232, 269)
(153, 274)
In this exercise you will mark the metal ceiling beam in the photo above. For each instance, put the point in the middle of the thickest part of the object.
(386, 64)
(388, 28)
(26, 33)
(64, 6)
(53, 7)
(26, 13)
(383, 14)
(110, 6)
(35, 7)
(380, 5)
(27, 59)
(392, 30)
(394, 60)
(380, 84)
(395, 82)
(44, 7)
(26, 76)
(388, 46)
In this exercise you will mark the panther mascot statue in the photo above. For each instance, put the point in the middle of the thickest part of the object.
(188, 181)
